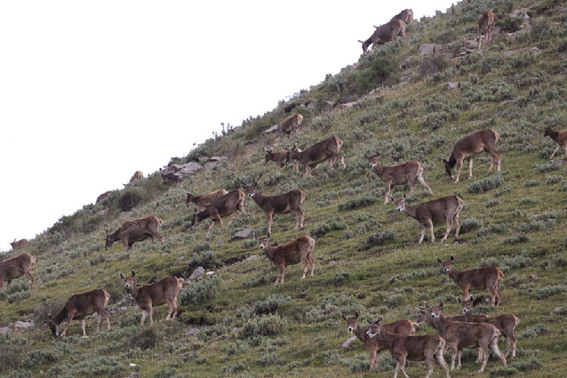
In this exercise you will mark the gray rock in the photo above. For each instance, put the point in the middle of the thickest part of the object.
(197, 273)
(192, 331)
(272, 129)
(5, 330)
(243, 234)
(23, 324)
(453, 85)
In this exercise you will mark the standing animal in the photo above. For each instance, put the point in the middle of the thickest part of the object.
(155, 294)
(446, 209)
(291, 253)
(469, 146)
(486, 23)
(230, 203)
(290, 125)
(505, 323)
(389, 31)
(20, 244)
(102, 196)
(280, 157)
(375, 347)
(487, 277)
(413, 348)
(78, 307)
(16, 267)
(279, 204)
(459, 335)
(134, 231)
(204, 200)
(138, 175)
(560, 137)
(328, 149)
(399, 174)
(406, 16)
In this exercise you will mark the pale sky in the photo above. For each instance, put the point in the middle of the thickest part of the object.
(91, 91)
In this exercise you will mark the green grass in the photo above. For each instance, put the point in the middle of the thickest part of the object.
(367, 256)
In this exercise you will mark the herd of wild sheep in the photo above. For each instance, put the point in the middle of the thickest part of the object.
(454, 332)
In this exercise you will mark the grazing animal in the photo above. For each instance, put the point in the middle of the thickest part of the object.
(16, 267)
(469, 146)
(291, 253)
(204, 200)
(487, 277)
(290, 125)
(389, 31)
(102, 196)
(328, 149)
(406, 16)
(413, 348)
(78, 307)
(20, 244)
(279, 204)
(422, 318)
(138, 175)
(560, 137)
(399, 174)
(280, 157)
(505, 323)
(459, 335)
(374, 347)
(155, 294)
(486, 23)
(230, 203)
(446, 209)
(134, 231)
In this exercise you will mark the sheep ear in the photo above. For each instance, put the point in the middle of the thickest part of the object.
(133, 273)
(452, 258)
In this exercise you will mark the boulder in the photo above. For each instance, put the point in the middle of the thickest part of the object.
(453, 85)
(243, 234)
(272, 129)
(178, 172)
(197, 273)
(5, 330)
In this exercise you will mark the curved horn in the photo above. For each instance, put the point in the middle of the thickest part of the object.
(256, 181)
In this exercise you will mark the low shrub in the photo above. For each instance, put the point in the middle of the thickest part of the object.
(199, 292)
(267, 325)
(270, 304)
(380, 238)
(486, 184)
(470, 224)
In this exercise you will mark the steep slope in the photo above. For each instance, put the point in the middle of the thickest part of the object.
(367, 256)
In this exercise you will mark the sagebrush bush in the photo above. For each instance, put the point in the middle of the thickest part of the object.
(207, 260)
(199, 292)
(341, 278)
(267, 325)
(333, 224)
(470, 224)
(270, 304)
(380, 238)
(357, 203)
(486, 184)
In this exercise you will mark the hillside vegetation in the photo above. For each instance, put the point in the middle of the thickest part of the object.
(236, 322)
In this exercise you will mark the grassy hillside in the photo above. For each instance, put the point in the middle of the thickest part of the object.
(367, 257)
